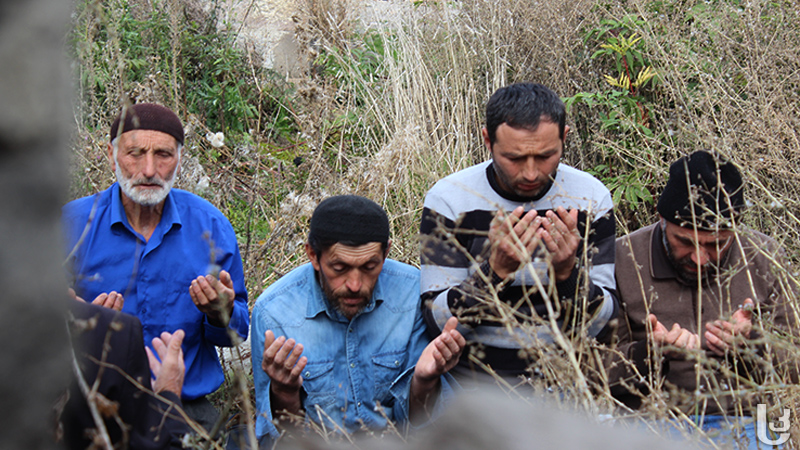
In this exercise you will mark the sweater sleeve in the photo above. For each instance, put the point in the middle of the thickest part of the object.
(588, 294)
(450, 286)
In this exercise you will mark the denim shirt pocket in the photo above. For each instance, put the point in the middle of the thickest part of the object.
(319, 384)
(386, 368)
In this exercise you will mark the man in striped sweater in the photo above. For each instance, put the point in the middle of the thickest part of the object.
(520, 248)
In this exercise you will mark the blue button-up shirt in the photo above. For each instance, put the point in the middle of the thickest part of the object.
(154, 275)
(359, 370)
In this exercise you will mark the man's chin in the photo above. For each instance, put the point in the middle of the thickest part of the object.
(532, 192)
(691, 276)
(150, 197)
(146, 196)
(353, 303)
(529, 194)
(351, 307)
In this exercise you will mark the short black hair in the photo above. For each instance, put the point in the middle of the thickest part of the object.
(523, 105)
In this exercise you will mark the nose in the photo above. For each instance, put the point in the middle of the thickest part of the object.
(700, 256)
(530, 172)
(353, 281)
(149, 169)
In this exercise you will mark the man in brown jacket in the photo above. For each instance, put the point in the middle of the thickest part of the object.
(698, 290)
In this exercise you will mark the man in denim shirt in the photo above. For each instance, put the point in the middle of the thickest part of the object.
(343, 336)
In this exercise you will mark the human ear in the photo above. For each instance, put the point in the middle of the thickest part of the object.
(111, 157)
(486, 141)
(312, 256)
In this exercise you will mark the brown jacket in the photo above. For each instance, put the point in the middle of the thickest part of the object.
(647, 284)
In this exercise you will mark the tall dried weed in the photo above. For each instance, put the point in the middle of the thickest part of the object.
(392, 104)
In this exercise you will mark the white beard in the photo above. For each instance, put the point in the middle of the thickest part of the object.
(145, 197)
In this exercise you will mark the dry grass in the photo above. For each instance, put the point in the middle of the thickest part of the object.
(729, 80)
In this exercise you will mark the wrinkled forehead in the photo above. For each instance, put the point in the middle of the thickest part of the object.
(354, 255)
(147, 139)
(703, 237)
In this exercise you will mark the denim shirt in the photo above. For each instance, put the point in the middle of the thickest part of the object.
(192, 238)
(359, 371)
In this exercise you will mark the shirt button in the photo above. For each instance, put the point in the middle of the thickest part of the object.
(353, 365)
(350, 330)
(359, 403)
(397, 363)
(308, 374)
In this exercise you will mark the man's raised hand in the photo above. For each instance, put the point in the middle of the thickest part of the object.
(214, 297)
(111, 300)
(722, 335)
(168, 369)
(676, 337)
(441, 354)
(560, 235)
(513, 238)
(283, 362)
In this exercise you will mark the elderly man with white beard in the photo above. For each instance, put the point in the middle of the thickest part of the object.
(164, 255)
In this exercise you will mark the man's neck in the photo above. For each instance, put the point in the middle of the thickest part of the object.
(143, 218)
(492, 177)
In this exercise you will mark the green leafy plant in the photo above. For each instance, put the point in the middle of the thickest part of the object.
(129, 51)
(622, 109)
(356, 71)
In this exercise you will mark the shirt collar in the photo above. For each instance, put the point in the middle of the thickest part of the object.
(318, 303)
(117, 210)
(169, 217)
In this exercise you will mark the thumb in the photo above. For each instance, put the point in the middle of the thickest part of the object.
(176, 341)
(747, 309)
(451, 325)
(225, 278)
(153, 362)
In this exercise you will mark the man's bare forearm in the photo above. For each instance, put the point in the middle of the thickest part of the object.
(423, 397)
(285, 402)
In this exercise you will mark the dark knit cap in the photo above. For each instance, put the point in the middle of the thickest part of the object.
(714, 187)
(148, 116)
(351, 219)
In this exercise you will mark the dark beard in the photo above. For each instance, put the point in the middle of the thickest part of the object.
(496, 177)
(707, 272)
(335, 299)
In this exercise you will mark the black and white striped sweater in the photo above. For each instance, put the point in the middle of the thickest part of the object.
(500, 319)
